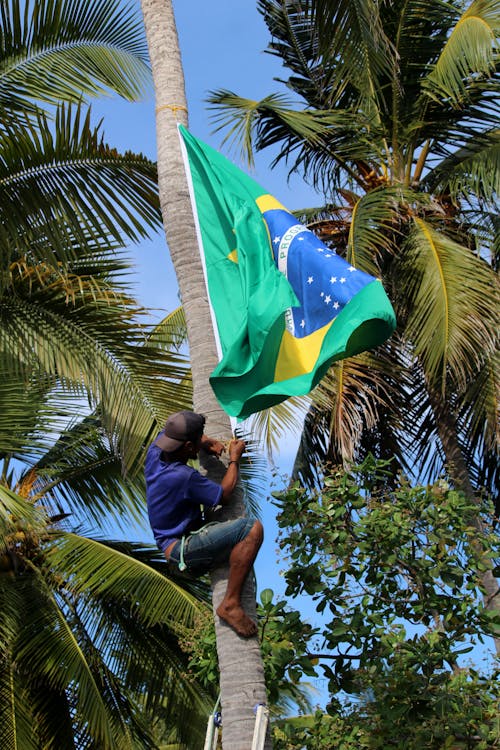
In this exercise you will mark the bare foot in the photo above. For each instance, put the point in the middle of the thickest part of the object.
(237, 619)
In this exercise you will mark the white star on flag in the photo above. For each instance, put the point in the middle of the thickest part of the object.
(352, 268)
(328, 299)
(342, 280)
(333, 280)
(302, 323)
(276, 240)
(310, 279)
(336, 305)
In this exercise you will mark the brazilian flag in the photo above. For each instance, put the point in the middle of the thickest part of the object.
(284, 305)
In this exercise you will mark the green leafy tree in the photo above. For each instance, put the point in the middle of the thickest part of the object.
(395, 119)
(285, 642)
(395, 570)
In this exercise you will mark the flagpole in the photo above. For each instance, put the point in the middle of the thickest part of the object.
(215, 328)
(187, 170)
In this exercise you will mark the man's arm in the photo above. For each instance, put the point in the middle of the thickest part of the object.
(235, 450)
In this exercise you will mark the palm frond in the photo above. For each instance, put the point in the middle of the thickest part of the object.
(24, 408)
(7, 703)
(18, 514)
(150, 555)
(153, 668)
(480, 407)
(56, 50)
(358, 407)
(450, 320)
(16, 715)
(51, 714)
(271, 426)
(63, 188)
(477, 412)
(245, 118)
(171, 331)
(321, 143)
(472, 170)
(419, 29)
(47, 648)
(95, 347)
(81, 475)
(91, 567)
(329, 48)
(355, 391)
(468, 56)
(373, 233)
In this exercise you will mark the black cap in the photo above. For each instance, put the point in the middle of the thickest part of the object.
(179, 428)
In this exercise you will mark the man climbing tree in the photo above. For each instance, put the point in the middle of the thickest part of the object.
(175, 492)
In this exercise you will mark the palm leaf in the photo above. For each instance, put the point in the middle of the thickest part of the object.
(153, 668)
(372, 234)
(323, 143)
(468, 55)
(477, 412)
(128, 726)
(331, 48)
(46, 648)
(57, 50)
(24, 408)
(64, 189)
(86, 634)
(18, 514)
(51, 715)
(450, 320)
(93, 568)
(356, 390)
(472, 170)
(94, 345)
(480, 407)
(419, 29)
(82, 475)
(150, 555)
(271, 426)
(358, 407)
(7, 704)
(266, 118)
(16, 715)
(171, 331)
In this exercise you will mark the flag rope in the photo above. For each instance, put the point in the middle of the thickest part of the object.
(174, 107)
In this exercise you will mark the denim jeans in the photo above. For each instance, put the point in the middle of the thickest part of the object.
(211, 545)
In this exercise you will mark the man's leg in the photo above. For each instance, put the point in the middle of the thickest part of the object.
(241, 560)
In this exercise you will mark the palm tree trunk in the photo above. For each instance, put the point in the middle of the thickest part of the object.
(458, 472)
(240, 662)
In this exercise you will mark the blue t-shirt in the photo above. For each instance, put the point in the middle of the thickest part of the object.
(174, 493)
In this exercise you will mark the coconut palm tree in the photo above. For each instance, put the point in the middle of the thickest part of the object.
(86, 628)
(395, 120)
(89, 627)
(242, 675)
(68, 204)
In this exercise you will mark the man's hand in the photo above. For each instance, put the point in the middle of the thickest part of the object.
(236, 449)
(212, 445)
